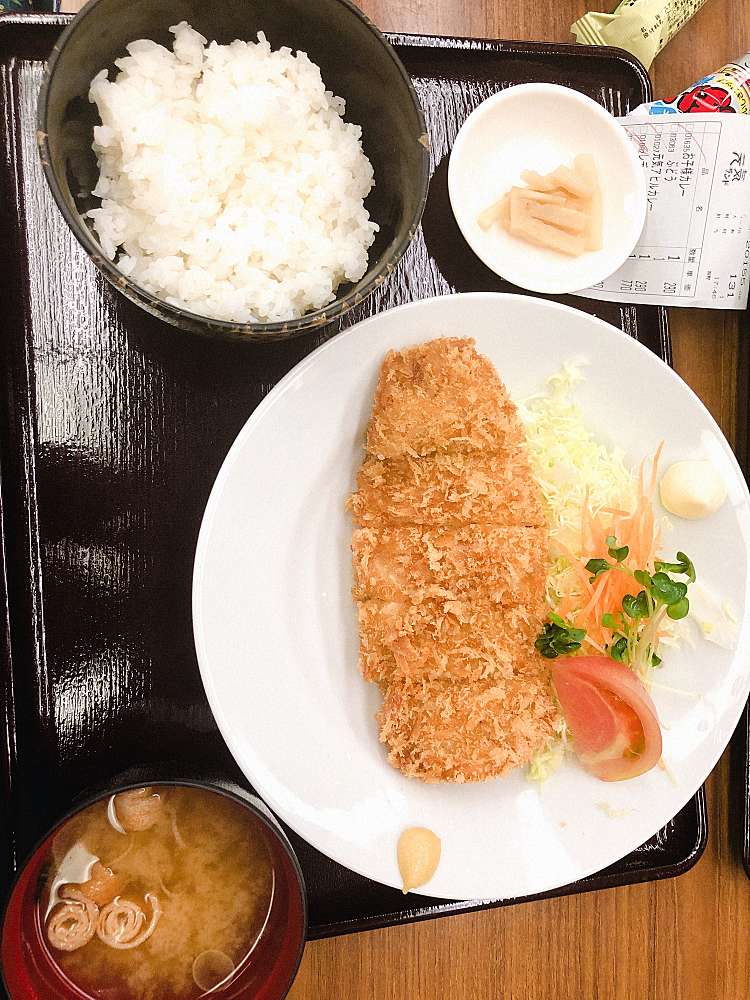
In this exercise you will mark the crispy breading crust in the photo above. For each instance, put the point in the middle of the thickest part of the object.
(450, 569)
(463, 640)
(495, 562)
(442, 731)
(449, 488)
(440, 396)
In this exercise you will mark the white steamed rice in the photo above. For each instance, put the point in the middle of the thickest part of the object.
(229, 183)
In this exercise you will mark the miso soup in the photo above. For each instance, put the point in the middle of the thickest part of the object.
(160, 892)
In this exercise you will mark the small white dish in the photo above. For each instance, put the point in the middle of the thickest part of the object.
(538, 126)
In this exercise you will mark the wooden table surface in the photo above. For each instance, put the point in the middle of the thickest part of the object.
(681, 939)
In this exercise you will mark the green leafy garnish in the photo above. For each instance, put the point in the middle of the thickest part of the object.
(636, 607)
(681, 565)
(635, 632)
(618, 650)
(618, 554)
(559, 638)
(597, 567)
(679, 609)
(666, 590)
(636, 624)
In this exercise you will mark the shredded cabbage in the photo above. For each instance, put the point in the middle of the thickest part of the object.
(569, 465)
(568, 462)
(547, 761)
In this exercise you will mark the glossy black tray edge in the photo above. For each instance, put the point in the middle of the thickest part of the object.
(611, 877)
(583, 52)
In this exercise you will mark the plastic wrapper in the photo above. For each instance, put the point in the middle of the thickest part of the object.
(726, 91)
(642, 27)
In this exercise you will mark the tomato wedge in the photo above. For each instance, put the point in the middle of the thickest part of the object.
(610, 714)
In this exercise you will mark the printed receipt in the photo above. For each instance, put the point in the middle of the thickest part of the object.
(695, 246)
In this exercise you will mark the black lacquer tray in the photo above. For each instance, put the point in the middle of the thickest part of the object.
(112, 429)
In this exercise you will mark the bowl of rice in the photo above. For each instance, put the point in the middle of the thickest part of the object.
(239, 170)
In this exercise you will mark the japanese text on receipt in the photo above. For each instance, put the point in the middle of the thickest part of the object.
(695, 246)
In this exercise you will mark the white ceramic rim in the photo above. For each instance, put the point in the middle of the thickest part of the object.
(213, 506)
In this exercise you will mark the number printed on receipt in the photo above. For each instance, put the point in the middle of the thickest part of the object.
(695, 246)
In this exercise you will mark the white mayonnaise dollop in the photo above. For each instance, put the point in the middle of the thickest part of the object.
(692, 489)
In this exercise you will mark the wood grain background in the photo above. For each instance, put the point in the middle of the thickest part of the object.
(682, 939)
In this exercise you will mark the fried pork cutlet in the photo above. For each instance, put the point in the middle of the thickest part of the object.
(448, 488)
(440, 396)
(443, 731)
(414, 562)
(450, 568)
(459, 640)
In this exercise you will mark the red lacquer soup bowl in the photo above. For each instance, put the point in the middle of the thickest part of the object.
(34, 970)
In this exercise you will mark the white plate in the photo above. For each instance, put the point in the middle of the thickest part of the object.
(276, 629)
(538, 126)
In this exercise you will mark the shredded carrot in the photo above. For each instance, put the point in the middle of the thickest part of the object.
(613, 510)
(577, 565)
(566, 606)
(586, 602)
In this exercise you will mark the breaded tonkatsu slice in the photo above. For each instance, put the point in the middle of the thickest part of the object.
(449, 560)
(417, 562)
(439, 640)
(440, 396)
(448, 488)
(443, 731)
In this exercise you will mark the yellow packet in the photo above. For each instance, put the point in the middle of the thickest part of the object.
(642, 27)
